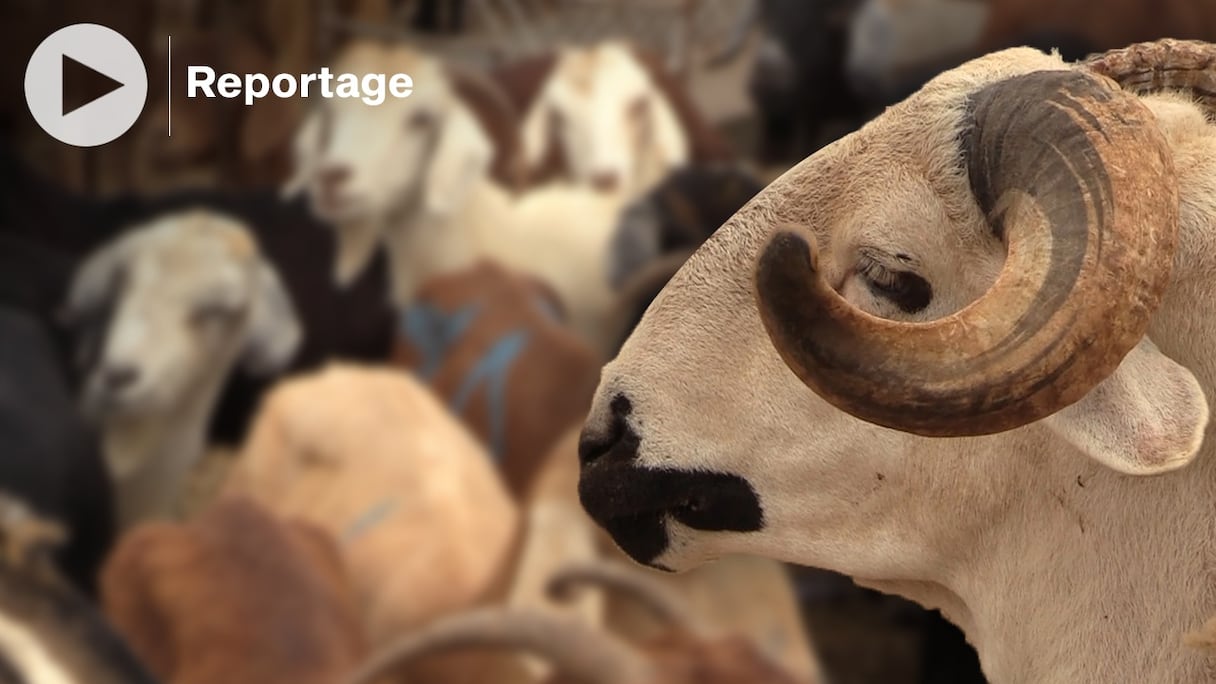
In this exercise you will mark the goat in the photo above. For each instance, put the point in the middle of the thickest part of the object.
(236, 596)
(1016, 256)
(610, 116)
(492, 344)
(49, 634)
(583, 654)
(162, 315)
(375, 459)
(412, 174)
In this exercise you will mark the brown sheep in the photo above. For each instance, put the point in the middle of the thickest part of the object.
(491, 343)
(1101, 24)
(372, 456)
(584, 655)
(236, 596)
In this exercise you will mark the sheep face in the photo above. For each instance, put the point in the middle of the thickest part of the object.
(701, 442)
(363, 163)
(612, 124)
(169, 307)
(890, 37)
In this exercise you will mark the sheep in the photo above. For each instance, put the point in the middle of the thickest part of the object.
(162, 315)
(609, 116)
(49, 634)
(801, 420)
(897, 45)
(492, 344)
(236, 595)
(52, 458)
(356, 323)
(584, 654)
(371, 456)
(659, 231)
(412, 174)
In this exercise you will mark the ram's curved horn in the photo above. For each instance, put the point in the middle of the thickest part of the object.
(664, 603)
(1185, 65)
(1076, 178)
(575, 649)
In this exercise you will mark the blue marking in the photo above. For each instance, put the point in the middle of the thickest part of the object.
(378, 513)
(433, 332)
(493, 369)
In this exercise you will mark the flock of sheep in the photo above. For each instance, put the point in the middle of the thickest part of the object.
(400, 331)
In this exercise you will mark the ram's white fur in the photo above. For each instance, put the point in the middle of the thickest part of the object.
(1060, 560)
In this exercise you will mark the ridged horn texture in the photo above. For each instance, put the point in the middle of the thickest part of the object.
(664, 603)
(1076, 178)
(576, 650)
(1188, 66)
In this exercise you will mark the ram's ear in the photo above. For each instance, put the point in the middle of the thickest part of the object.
(1148, 417)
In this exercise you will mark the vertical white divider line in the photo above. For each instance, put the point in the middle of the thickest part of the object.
(170, 94)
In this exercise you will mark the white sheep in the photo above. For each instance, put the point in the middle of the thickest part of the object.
(413, 175)
(1018, 257)
(163, 314)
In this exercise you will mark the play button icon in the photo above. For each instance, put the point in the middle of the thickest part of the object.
(86, 85)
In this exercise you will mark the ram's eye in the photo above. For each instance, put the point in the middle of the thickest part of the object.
(908, 291)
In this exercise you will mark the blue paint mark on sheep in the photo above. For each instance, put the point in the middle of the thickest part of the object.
(434, 332)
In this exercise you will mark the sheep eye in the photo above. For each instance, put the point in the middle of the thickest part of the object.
(420, 120)
(639, 108)
(908, 291)
(214, 313)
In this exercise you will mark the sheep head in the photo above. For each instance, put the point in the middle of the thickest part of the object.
(984, 256)
(170, 307)
(609, 118)
(373, 169)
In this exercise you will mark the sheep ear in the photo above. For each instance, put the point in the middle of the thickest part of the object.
(1148, 417)
(274, 330)
(306, 152)
(96, 280)
(538, 135)
(462, 157)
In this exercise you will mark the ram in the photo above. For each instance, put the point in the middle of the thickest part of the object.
(946, 355)
(162, 315)
(608, 116)
(494, 346)
(414, 175)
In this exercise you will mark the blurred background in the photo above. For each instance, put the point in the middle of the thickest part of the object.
(306, 377)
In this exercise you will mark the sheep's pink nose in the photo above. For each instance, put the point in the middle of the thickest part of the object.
(605, 181)
(332, 178)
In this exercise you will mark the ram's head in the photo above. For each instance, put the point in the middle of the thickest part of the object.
(981, 262)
